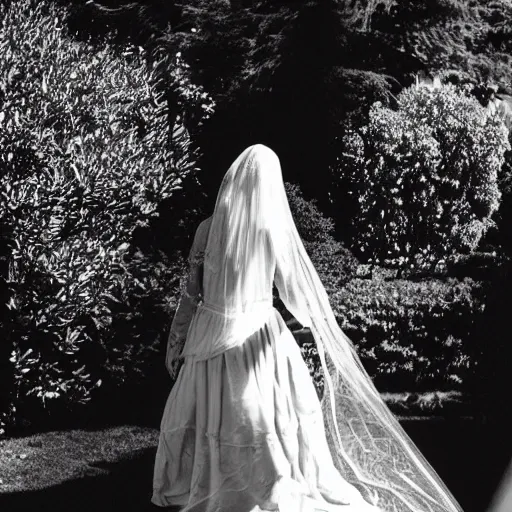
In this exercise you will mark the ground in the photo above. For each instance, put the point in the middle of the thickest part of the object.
(110, 470)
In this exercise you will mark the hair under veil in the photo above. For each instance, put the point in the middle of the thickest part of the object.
(369, 447)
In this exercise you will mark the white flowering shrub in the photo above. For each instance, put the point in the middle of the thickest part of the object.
(86, 157)
(425, 176)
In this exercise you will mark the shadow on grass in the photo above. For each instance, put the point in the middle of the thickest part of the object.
(122, 486)
(470, 457)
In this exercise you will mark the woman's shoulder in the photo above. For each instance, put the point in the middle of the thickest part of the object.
(200, 240)
(202, 232)
(204, 225)
(207, 221)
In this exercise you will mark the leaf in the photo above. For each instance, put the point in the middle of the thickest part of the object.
(77, 174)
(97, 323)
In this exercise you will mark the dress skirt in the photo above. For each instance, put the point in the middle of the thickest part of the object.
(244, 432)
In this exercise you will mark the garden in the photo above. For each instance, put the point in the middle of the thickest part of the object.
(117, 123)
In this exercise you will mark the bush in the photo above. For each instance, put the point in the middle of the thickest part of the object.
(86, 157)
(335, 264)
(411, 336)
(425, 176)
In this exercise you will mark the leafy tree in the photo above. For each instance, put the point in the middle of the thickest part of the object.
(425, 175)
(467, 37)
(275, 65)
(87, 155)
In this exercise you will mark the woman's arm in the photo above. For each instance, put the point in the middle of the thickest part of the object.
(291, 294)
(189, 299)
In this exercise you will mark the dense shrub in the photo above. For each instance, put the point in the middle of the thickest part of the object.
(333, 261)
(86, 157)
(335, 264)
(425, 176)
(410, 335)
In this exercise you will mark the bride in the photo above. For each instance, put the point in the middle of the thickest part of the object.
(243, 429)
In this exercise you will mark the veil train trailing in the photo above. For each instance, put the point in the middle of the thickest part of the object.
(252, 225)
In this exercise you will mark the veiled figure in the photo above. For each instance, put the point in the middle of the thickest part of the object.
(243, 429)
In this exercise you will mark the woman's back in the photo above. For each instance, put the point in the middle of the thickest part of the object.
(236, 285)
(237, 295)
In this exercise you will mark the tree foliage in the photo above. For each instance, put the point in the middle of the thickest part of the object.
(295, 73)
(425, 175)
(335, 264)
(96, 144)
(86, 157)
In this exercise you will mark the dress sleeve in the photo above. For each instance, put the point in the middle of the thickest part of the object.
(290, 291)
(190, 297)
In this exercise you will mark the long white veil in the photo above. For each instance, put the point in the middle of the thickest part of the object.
(252, 225)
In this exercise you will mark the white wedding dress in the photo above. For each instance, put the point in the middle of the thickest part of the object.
(243, 429)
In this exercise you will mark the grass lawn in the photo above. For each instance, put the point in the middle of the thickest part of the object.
(78, 470)
(110, 470)
(39, 461)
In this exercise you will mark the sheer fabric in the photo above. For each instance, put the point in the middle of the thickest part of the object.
(189, 300)
(243, 429)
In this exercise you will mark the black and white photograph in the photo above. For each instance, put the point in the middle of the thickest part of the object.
(255, 255)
